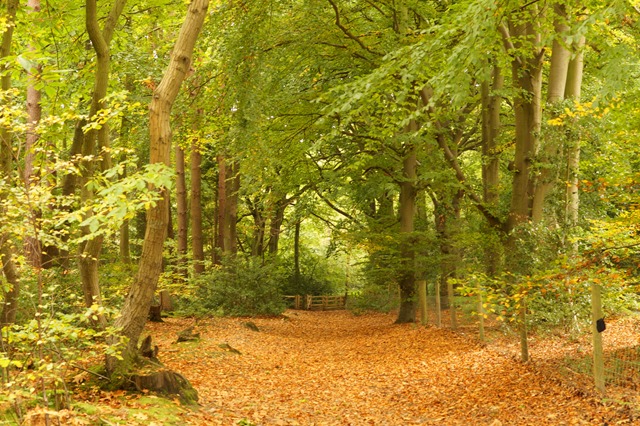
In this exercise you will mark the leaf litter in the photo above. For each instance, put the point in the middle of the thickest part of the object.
(336, 368)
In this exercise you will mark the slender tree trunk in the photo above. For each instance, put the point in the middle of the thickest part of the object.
(10, 299)
(231, 219)
(222, 206)
(407, 208)
(124, 246)
(296, 254)
(259, 226)
(138, 301)
(100, 39)
(490, 159)
(197, 243)
(572, 91)
(182, 219)
(34, 113)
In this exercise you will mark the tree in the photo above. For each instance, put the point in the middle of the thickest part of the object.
(138, 301)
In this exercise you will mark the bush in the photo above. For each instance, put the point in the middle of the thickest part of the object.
(374, 298)
(239, 287)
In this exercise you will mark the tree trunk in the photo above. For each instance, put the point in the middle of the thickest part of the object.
(527, 80)
(196, 210)
(138, 301)
(222, 206)
(407, 208)
(550, 152)
(296, 255)
(100, 39)
(231, 219)
(34, 113)
(275, 224)
(259, 225)
(181, 201)
(572, 91)
(490, 159)
(10, 299)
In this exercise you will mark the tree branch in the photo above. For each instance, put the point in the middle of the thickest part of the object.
(348, 33)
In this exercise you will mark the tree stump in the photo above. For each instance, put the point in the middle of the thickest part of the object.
(153, 376)
(155, 313)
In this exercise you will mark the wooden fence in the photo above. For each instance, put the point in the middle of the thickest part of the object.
(316, 303)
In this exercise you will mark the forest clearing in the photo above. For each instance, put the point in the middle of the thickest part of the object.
(336, 368)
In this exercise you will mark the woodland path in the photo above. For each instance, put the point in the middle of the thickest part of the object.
(334, 368)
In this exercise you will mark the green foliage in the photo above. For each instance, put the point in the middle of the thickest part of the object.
(239, 287)
(378, 298)
(38, 357)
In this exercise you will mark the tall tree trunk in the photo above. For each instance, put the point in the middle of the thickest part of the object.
(527, 79)
(407, 208)
(124, 243)
(197, 242)
(182, 219)
(275, 224)
(10, 299)
(550, 152)
(222, 207)
(296, 254)
(34, 113)
(231, 217)
(490, 159)
(100, 40)
(572, 91)
(259, 225)
(138, 301)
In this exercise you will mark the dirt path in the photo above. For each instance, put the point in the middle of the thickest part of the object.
(333, 368)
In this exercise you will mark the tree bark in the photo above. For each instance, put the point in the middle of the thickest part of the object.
(222, 208)
(550, 152)
(182, 221)
(100, 39)
(33, 251)
(10, 299)
(527, 80)
(490, 158)
(407, 208)
(572, 91)
(197, 243)
(259, 226)
(275, 224)
(296, 255)
(138, 301)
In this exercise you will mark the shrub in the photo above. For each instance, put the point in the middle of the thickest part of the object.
(239, 287)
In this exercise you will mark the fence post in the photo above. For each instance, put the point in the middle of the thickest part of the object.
(598, 353)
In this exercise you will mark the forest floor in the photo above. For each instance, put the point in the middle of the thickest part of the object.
(337, 368)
